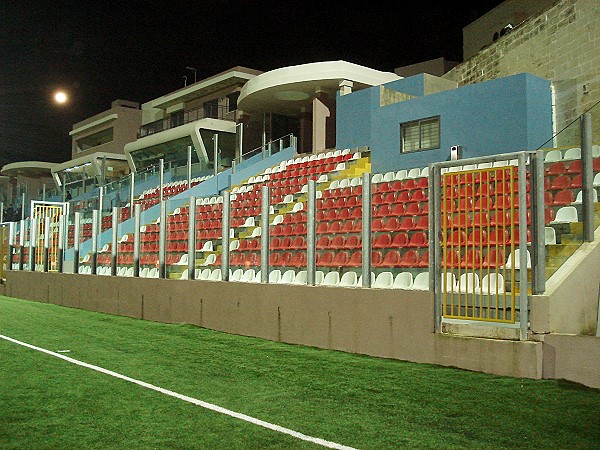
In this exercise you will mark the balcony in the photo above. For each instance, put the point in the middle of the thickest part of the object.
(189, 115)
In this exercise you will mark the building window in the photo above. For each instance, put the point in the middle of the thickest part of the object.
(232, 100)
(421, 134)
(211, 109)
(94, 140)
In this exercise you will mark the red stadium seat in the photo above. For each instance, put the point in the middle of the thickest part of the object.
(299, 243)
(399, 209)
(452, 258)
(337, 242)
(477, 237)
(481, 219)
(377, 225)
(419, 196)
(422, 223)
(410, 259)
(575, 167)
(413, 209)
(561, 182)
(391, 259)
(418, 239)
(493, 258)
(352, 242)
(376, 259)
(424, 260)
(564, 197)
(458, 237)
(299, 260)
(408, 223)
(498, 237)
(383, 211)
(325, 259)
(384, 240)
(323, 242)
(557, 168)
(341, 259)
(392, 224)
(472, 259)
(355, 259)
(403, 197)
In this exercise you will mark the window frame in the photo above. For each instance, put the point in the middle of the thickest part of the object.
(419, 122)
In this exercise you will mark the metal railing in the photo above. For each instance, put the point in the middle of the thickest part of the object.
(268, 148)
(189, 115)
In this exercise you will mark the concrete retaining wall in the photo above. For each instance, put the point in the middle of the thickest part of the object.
(383, 323)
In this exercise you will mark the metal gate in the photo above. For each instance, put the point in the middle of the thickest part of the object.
(40, 211)
(479, 233)
(481, 221)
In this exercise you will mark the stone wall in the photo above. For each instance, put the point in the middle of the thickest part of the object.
(561, 44)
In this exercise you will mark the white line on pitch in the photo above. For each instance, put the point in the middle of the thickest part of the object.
(185, 398)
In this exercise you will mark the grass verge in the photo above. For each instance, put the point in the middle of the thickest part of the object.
(350, 399)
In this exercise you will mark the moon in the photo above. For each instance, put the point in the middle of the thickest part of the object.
(60, 97)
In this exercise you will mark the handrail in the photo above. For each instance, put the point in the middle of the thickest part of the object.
(189, 115)
(266, 147)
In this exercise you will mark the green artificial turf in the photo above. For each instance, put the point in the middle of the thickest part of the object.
(350, 399)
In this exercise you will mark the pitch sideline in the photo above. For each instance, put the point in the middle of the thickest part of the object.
(186, 398)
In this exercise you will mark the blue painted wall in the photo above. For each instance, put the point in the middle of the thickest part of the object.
(498, 116)
(354, 116)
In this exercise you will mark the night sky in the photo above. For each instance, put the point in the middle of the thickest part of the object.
(102, 51)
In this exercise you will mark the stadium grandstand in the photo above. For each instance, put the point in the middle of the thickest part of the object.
(447, 218)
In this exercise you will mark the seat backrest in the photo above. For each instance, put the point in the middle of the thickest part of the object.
(404, 280)
(421, 281)
(549, 236)
(300, 277)
(468, 282)
(572, 153)
(331, 279)
(553, 155)
(385, 280)
(566, 214)
(349, 279)
(287, 277)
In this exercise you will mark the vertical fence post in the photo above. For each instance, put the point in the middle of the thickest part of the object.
(435, 231)
(62, 220)
(161, 179)
(95, 227)
(239, 129)
(311, 249)
(587, 177)
(366, 230)
(538, 224)
(189, 167)
(216, 153)
(225, 235)
(76, 238)
(114, 244)
(11, 242)
(162, 241)
(22, 241)
(23, 206)
(523, 298)
(136, 239)
(32, 243)
(101, 201)
(131, 194)
(264, 235)
(192, 239)
(46, 260)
